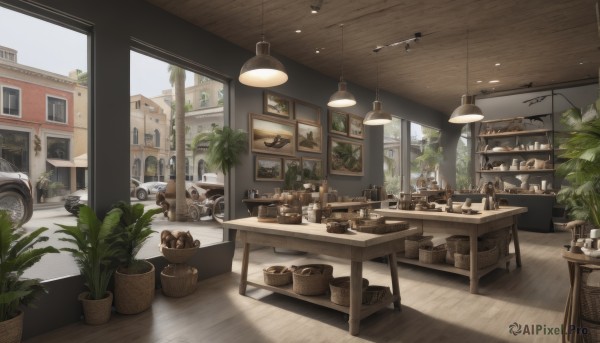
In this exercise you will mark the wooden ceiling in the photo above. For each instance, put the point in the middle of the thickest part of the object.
(537, 42)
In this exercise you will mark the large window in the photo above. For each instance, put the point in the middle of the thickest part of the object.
(11, 101)
(464, 169)
(392, 167)
(57, 109)
(425, 156)
(14, 148)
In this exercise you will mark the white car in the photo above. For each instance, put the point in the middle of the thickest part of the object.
(145, 189)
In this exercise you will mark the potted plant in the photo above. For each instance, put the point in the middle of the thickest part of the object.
(17, 254)
(97, 253)
(134, 279)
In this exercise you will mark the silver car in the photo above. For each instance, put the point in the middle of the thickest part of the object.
(145, 189)
(15, 193)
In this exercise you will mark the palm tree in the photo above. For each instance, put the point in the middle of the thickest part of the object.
(177, 80)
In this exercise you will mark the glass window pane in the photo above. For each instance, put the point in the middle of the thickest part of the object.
(392, 167)
(11, 101)
(425, 156)
(464, 169)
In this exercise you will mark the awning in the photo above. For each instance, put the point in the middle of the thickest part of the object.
(61, 163)
(81, 161)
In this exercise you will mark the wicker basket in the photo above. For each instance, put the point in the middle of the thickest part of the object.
(12, 329)
(340, 290)
(432, 254)
(374, 294)
(593, 331)
(456, 244)
(590, 296)
(412, 244)
(485, 258)
(178, 255)
(290, 218)
(312, 279)
(502, 239)
(277, 276)
(178, 280)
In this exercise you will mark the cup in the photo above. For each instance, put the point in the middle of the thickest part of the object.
(544, 184)
(536, 146)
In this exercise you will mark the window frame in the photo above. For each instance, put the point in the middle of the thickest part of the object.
(20, 100)
(66, 122)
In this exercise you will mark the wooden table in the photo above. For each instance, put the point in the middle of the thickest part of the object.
(473, 226)
(311, 237)
(571, 318)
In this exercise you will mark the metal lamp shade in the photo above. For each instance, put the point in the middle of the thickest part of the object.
(467, 112)
(263, 70)
(341, 98)
(377, 116)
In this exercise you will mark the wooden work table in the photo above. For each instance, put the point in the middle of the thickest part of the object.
(311, 237)
(473, 225)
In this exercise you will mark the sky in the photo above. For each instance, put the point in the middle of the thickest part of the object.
(59, 50)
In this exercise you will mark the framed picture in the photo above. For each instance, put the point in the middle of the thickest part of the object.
(345, 157)
(292, 172)
(271, 135)
(312, 169)
(356, 128)
(267, 168)
(338, 122)
(278, 105)
(306, 112)
(309, 137)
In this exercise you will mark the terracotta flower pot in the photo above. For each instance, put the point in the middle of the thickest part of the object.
(134, 293)
(12, 329)
(96, 312)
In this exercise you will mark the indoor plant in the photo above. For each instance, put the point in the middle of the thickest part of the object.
(134, 279)
(97, 253)
(17, 254)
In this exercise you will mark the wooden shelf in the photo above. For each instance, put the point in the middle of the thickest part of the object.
(526, 171)
(516, 133)
(452, 269)
(514, 152)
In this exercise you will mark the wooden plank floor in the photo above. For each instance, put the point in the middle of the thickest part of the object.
(436, 306)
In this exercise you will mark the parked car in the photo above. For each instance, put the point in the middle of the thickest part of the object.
(145, 189)
(80, 197)
(15, 193)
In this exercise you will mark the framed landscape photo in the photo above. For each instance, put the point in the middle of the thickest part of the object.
(267, 168)
(356, 128)
(292, 172)
(345, 157)
(338, 122)
(270, 135)
(309, 137)
(278, 105)
(312, 169)
(306, 112)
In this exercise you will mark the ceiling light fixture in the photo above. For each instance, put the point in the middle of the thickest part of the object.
(298, 31)
(377, 116)
(315, 7)
(342, 98)
(263, 70)
(467, 112)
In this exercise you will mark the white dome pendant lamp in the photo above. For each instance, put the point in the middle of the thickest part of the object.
(263, 70)
(377, 116)
(342, 98)
(467, 112)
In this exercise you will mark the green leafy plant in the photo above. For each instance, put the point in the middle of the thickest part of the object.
(17, 254)
(133, 231)
(225, 145)
(98, 251)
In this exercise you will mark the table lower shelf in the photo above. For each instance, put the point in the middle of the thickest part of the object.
(324, 300)
(502, 261)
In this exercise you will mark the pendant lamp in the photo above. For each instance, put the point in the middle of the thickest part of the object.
(467, 112)
(342, 98)
(377, 116)
(263, 70)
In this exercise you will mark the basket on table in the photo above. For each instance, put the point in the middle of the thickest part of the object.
(590, 296)
(312, 279)
(431, 254)
(412, 244)
(487, 256)
(277, 276)
(178, 280)
(502, 238)
(174, 255)
(456, 244)
(340, 290)
(374, 294)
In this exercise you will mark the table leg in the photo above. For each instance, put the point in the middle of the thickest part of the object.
(355, 296)
(395, 284)
(567, 316)
(473, 272)
(575, 303)
(245, 257)
(515, 233)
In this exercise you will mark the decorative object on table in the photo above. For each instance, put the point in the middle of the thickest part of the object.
(271, 135)
(278, 105)
(487, 256)
(310, 137)
(456, 244)
(268, 168)
(340, 290)
(577, 228)
(178, 279)
(338, 122)
(345, 157)
(412, 244)
(337, 227)
(312, 279)
(289, 218)
(307, 113)
(374, 294)
(267, 214)
(433, 254)
(17, 254)
(278, 276)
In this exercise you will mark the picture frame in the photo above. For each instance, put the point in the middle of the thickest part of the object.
(306, 112)
(312, 169)
(269, 135)
(356, 128)
(268, 168)
(278, 105)
(345, 157)
(309, 137)
(338, 122)
(292, 172)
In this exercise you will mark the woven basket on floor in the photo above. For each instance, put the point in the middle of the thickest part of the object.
(590, 296)
(134, 292)
(593, 332)
(485, 258)
(412, 244)
(312, 279)
(502, 238)
(432, 254)
(12, 329)
(277, 276)
(340, 290)
(374, 294)
(178, 255)
(178, 280)
(456, 244)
